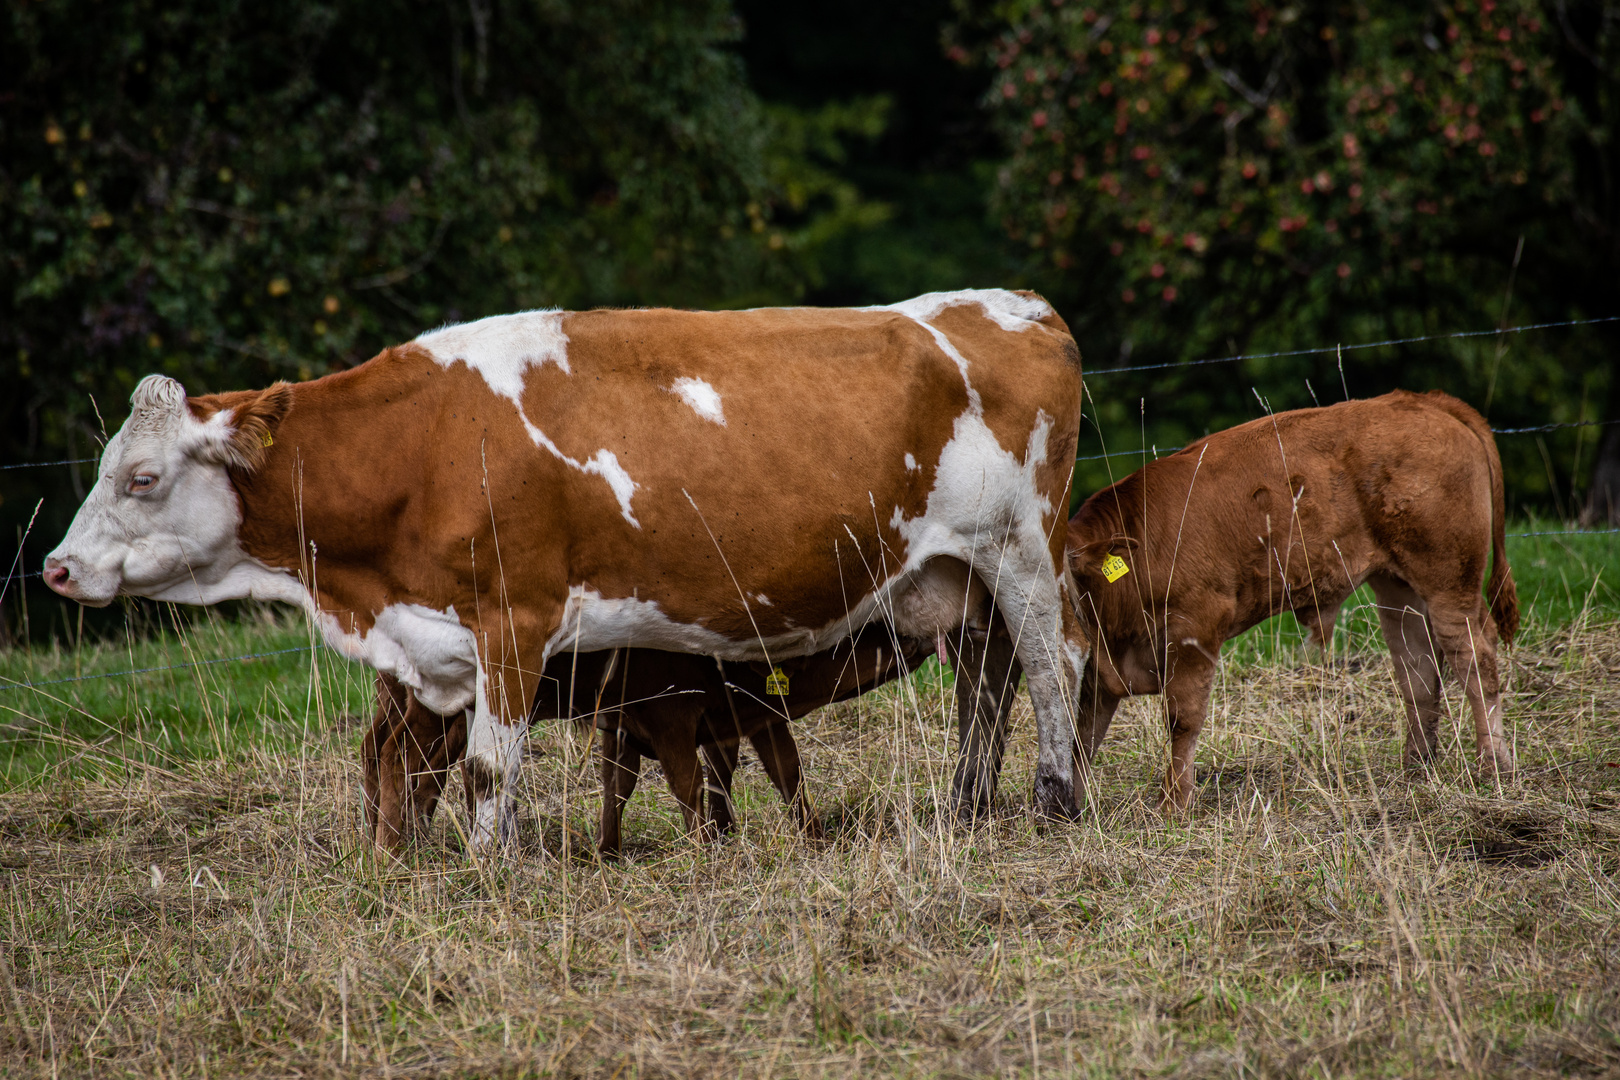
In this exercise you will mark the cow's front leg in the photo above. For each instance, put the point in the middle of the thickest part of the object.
(495, 746)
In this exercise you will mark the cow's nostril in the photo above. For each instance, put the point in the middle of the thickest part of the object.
(57, 576)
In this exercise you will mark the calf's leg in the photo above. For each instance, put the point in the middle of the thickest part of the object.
(1467, 634)
(671, 728)
(780, 755)
(1186, 704)
(1404, 618)
(987, 674)
(383, 773)
(621, 768)
(1095, 712)
(721, 758)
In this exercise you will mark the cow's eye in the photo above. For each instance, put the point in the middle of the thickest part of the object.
(141, 483)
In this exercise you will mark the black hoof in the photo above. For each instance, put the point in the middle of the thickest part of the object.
(1054, 798)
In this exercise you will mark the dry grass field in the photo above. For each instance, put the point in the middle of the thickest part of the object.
(1318, 914)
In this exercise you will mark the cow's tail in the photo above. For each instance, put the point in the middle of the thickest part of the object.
(1500, 589)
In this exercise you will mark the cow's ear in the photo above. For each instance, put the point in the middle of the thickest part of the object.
(246, 428)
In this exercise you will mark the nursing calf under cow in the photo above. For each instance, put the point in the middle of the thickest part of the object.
(648, 703)
(1292, 513)
(645, 703)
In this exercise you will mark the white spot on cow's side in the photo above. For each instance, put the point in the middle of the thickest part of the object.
(703, 398)
(502, 348)
(762, 599)
(911, 464)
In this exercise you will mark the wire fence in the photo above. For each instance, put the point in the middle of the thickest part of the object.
(1337, 348)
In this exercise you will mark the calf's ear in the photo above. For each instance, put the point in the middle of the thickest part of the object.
(1086, 556)
(244, 426)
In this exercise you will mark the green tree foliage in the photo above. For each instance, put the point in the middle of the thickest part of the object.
(234, 193)
(1203, 177)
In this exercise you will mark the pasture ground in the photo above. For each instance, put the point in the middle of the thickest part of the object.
(186, 890)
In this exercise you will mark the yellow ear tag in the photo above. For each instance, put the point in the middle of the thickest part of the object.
(1114, 568)
(266, 439)
(776, 682)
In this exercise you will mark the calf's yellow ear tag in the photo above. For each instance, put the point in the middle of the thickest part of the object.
(776, 682)
(1114, 568)
(266, 439)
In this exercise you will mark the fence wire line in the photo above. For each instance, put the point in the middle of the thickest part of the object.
(145, 670)
(1361, 345)
(43, 464)
(1569, 532)
(1494, 431)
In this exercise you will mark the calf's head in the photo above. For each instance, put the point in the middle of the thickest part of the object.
(1097, 549)
(162, 518)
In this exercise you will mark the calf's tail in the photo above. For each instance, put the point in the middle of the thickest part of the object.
(1500, 589)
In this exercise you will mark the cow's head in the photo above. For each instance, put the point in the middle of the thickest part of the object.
(162, 519)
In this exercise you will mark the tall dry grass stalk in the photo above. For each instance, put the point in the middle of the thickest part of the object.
(1318, 913)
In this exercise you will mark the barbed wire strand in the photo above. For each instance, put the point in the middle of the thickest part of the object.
(1362, 345)
(145, 670)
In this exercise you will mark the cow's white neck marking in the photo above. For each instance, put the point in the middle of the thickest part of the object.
(911, 463)
(703, 398)
(502, 348)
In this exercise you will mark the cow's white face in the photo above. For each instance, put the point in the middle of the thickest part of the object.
(162, 519)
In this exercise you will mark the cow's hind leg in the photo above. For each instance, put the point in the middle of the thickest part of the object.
(447, 748)
(987, 674)
(1403, 616)
(1035, 603)
(780, 755)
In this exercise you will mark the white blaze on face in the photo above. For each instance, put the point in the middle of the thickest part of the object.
(502, 348)
(703, 398)
(162, 518)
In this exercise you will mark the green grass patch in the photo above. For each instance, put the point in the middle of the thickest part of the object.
(208, 690)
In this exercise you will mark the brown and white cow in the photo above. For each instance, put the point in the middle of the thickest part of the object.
(1292, 513)
(645, 703)
(753, 485)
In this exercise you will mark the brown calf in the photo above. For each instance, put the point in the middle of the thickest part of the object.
(647, 703)
(1292, 513)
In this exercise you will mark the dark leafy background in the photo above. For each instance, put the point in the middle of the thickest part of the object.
(236, 193)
